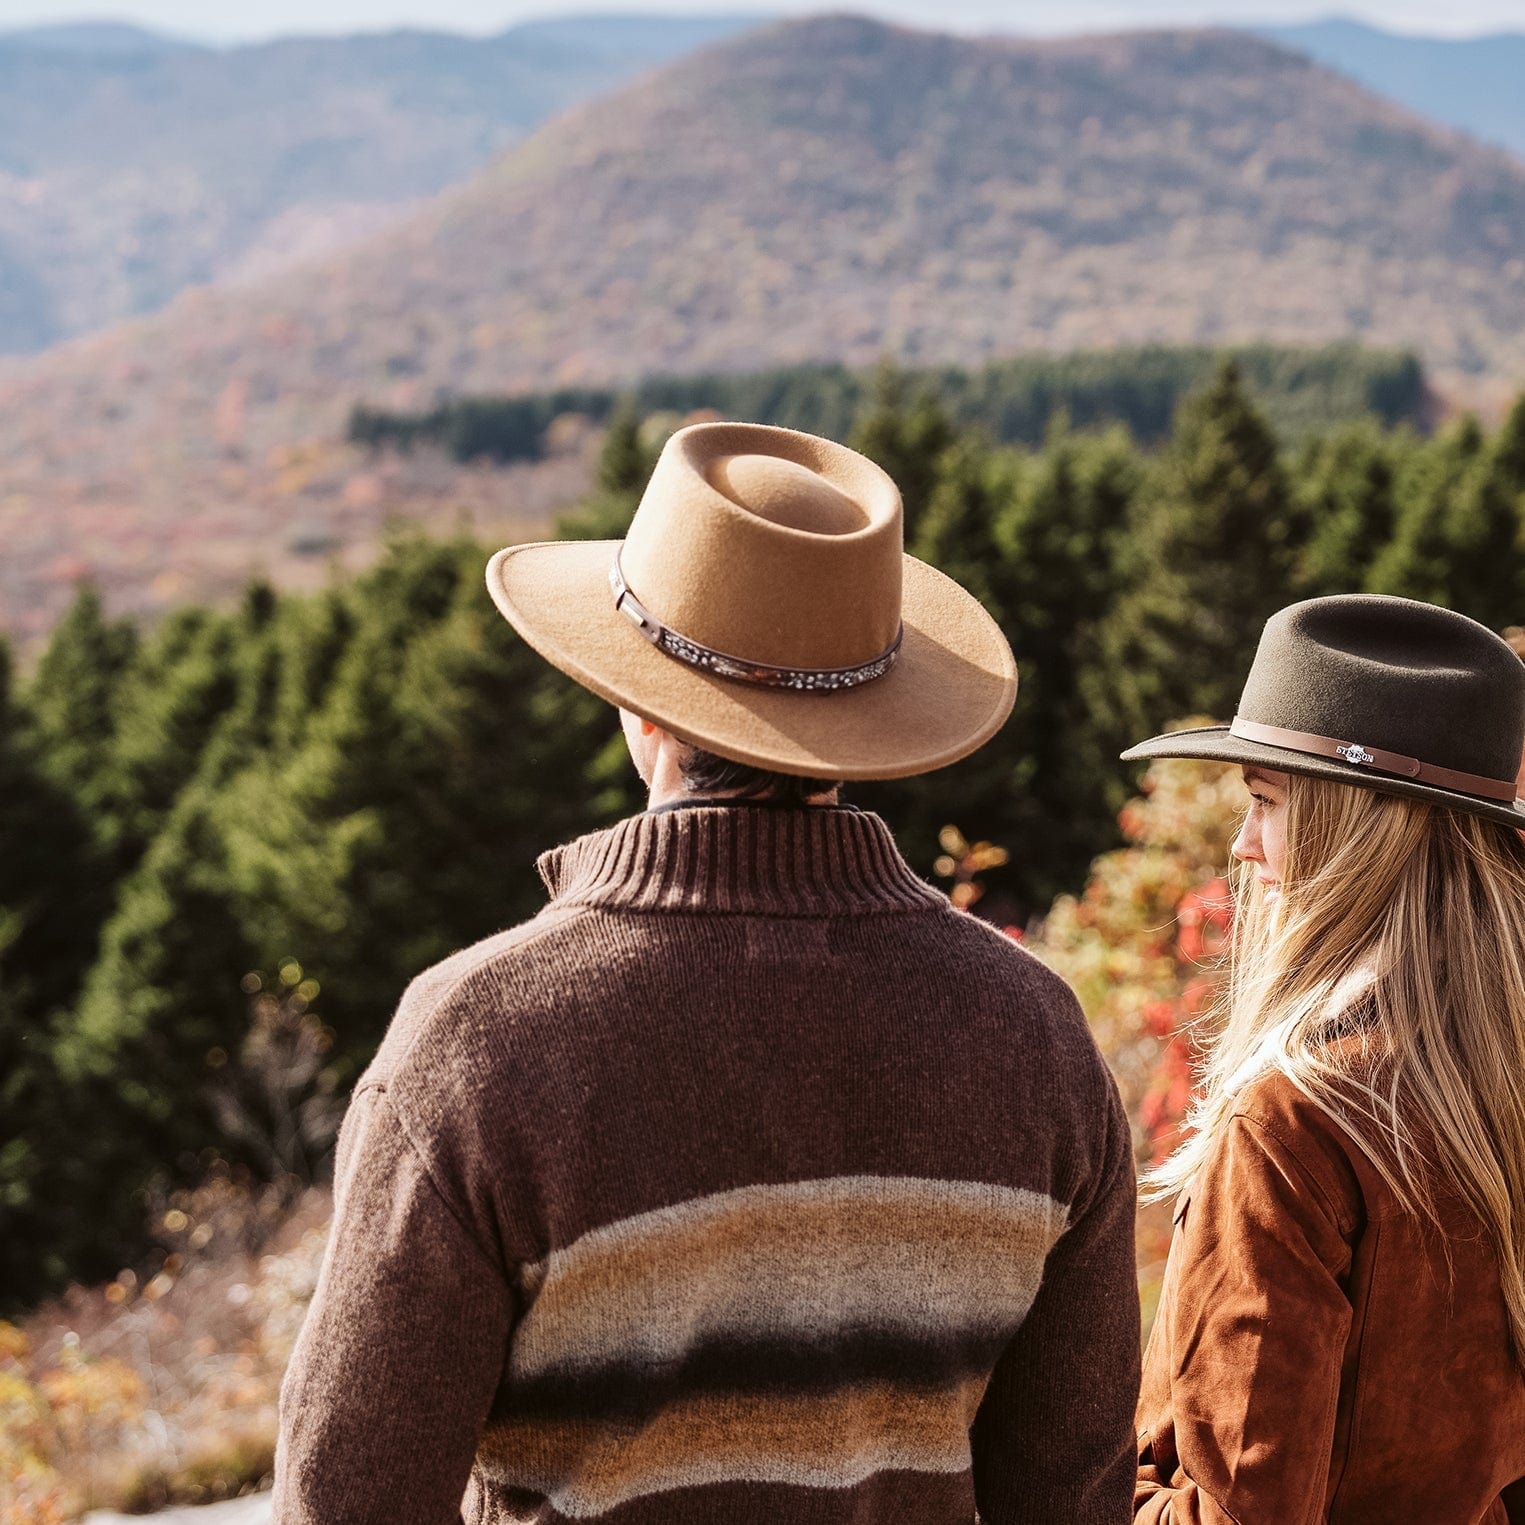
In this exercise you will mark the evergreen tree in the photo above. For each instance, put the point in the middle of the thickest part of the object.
(313, 635)
(332, 845)
(74, 698)
(625, 465)
(1035, 539)
(160, 1012)
(1208, 556)
(1344, 497)
(48, 861)
(958, 532)
(1487, 530)
(249, 725)
(907, 435)
(1432, 486)
(1061, 538)
(185, 682)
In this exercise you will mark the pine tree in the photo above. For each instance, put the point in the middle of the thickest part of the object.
(957, 534)
(160, 1012)
(625, 462)
(625, 465)
(1486, 531)
(1432, 486)
(907, 435)
(185, 682)
(1344, 490)
(313, 635)
(1208, 556)
(48, 861)
(74, 699)
(1035, 539)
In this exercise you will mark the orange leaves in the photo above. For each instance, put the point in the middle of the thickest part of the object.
(964, 862)
(74, 1405)
(1142, 943)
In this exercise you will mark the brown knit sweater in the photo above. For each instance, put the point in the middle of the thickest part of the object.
(747, 1184)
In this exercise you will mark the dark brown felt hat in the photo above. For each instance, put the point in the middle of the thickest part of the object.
(762, 606)
(1384, 693)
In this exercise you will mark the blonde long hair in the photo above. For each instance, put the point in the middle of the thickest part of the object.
(1403, 923)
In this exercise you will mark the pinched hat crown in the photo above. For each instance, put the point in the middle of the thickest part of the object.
(1395, 695)
(790, 560)
(762, 606)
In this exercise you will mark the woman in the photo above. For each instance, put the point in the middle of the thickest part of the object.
(1342, 1324)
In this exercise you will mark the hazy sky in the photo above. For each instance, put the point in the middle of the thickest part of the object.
(231, 19)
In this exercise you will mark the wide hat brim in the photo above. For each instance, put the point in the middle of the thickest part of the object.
(1217, 744)
(950, 690)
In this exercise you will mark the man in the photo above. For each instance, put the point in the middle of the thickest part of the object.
(749, 1181)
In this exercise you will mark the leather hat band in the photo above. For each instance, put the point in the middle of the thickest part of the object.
(823, 680)
(1358, 757)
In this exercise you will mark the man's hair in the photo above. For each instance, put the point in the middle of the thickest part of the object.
(705, 773)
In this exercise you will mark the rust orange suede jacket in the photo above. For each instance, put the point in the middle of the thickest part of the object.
(1314, 1357)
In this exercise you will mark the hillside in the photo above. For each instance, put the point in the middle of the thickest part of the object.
(828, 189)
(133, 165)
(1469, 82)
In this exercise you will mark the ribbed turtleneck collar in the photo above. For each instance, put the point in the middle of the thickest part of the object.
(771, 861)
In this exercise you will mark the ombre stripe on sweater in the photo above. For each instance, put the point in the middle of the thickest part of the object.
(748, 1182)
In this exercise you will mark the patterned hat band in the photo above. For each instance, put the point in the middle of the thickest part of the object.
(1360, 758)
(823, 680)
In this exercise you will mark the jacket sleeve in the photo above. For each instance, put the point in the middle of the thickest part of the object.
(401, 1350)
(1053, 1438)
(1249, 1353)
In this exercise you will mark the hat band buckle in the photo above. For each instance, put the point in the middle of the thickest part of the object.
(1358, 756)
(740, 669)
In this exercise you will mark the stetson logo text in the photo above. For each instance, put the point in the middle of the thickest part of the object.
(1356, 754)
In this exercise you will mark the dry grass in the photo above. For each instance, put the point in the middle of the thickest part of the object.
(134, 1396)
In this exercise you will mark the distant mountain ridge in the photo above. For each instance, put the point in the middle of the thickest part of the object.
(832, 189)
(100, 38)
(134, 164)
(1475, 83)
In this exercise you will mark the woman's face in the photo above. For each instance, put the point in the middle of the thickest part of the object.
(1262, 840)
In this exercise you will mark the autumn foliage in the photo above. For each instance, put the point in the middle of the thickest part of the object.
(1143, 945)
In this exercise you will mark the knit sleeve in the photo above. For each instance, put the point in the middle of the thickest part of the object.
(1053, 1439)
(402, 1348)
(1243, 1377)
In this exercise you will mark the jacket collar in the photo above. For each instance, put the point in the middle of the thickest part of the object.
(738, 858)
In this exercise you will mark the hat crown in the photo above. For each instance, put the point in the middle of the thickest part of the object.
(768, 545)
(1392, 674)
(785, 493)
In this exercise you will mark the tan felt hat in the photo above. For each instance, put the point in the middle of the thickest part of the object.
(762, 607)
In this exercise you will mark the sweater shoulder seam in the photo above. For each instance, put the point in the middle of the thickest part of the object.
(449, 993)
(430, 1174)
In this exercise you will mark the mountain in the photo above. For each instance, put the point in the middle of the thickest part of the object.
(1475, 83)
(133, 165)
(823, 189)
(97, 38)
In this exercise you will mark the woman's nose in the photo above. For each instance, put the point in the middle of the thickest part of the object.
(1246, 846)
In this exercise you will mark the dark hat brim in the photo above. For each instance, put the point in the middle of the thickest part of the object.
(1215, 743)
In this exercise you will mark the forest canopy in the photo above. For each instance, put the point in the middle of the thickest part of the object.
(286, 810)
